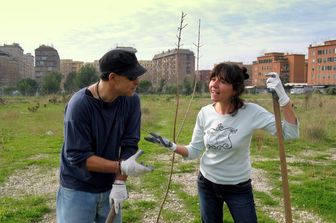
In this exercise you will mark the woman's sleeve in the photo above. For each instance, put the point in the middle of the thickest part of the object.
(264, 119)
(196, 145)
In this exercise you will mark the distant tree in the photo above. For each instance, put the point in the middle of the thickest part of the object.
(198, 87)
(145, 86)
(27, 86)
(171, 89)
(187, 86)
(86, 76)
(284, 77)
(162, 85)
(51, 82)
(205, 87)
(70, 83)
(9, 90)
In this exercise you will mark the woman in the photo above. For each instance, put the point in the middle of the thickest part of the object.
(224, 129)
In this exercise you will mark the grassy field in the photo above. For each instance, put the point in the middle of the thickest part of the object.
(30, 142)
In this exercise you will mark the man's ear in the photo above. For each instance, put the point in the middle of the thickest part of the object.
(111, 76)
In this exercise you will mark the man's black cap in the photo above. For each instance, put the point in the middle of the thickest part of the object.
(121, 62)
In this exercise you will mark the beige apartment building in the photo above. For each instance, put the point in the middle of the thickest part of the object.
(290, 67)
(167, 65)
(9, 70)
(25, 62)
(150, 74)
(29, 68)
(322, 64)
(68, 66)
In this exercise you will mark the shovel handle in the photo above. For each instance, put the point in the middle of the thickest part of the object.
(282, 155)
(111, 215)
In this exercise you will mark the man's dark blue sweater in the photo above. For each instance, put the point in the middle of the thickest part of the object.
(94, 127)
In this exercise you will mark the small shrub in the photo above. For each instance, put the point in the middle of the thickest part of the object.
(145, 110)
(331, 90)
(316, 133)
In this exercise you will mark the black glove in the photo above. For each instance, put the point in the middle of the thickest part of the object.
(154, 138)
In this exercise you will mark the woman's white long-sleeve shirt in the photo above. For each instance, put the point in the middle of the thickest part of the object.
(226, 140)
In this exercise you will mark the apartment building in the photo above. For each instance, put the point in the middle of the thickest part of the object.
(167, 65)
(25, 62)
(290, 67)
(46, 60)
(297, 68)
(204, 75)
(150, 74)
(68, 66)
(29, 68)
(9, 70)
(322, 64)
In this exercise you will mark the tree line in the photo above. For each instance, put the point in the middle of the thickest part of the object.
(52, 81)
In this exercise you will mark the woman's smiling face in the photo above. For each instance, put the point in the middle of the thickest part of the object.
(220, 90)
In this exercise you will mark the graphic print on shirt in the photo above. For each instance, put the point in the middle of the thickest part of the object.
(219, 137)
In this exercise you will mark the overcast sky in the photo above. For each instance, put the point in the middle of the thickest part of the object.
(236, 30)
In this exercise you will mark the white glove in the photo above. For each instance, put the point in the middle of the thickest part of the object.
(274, 83)
(131, 168)
(118, 194)
(155, 138)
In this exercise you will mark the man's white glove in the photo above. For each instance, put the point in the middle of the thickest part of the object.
(130, 167)
(274, 83)
(155, 138)
(118, 194)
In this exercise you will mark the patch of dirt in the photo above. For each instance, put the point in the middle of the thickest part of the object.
(31, 181)
(35, 181)
(188, 182)
(260, 182)
(333, 153)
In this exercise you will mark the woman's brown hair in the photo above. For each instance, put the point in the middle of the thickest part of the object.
(234, 75)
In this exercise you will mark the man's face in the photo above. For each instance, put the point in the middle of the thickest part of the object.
(126, 86)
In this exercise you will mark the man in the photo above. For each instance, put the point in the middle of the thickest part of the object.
(101, 133)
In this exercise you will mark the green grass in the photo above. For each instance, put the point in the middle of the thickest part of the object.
(35, 139)
(28, 209)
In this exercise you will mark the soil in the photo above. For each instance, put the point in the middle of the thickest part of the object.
(35, 181)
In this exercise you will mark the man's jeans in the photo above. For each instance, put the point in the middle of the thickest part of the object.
(74, 206)
(239, 199)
